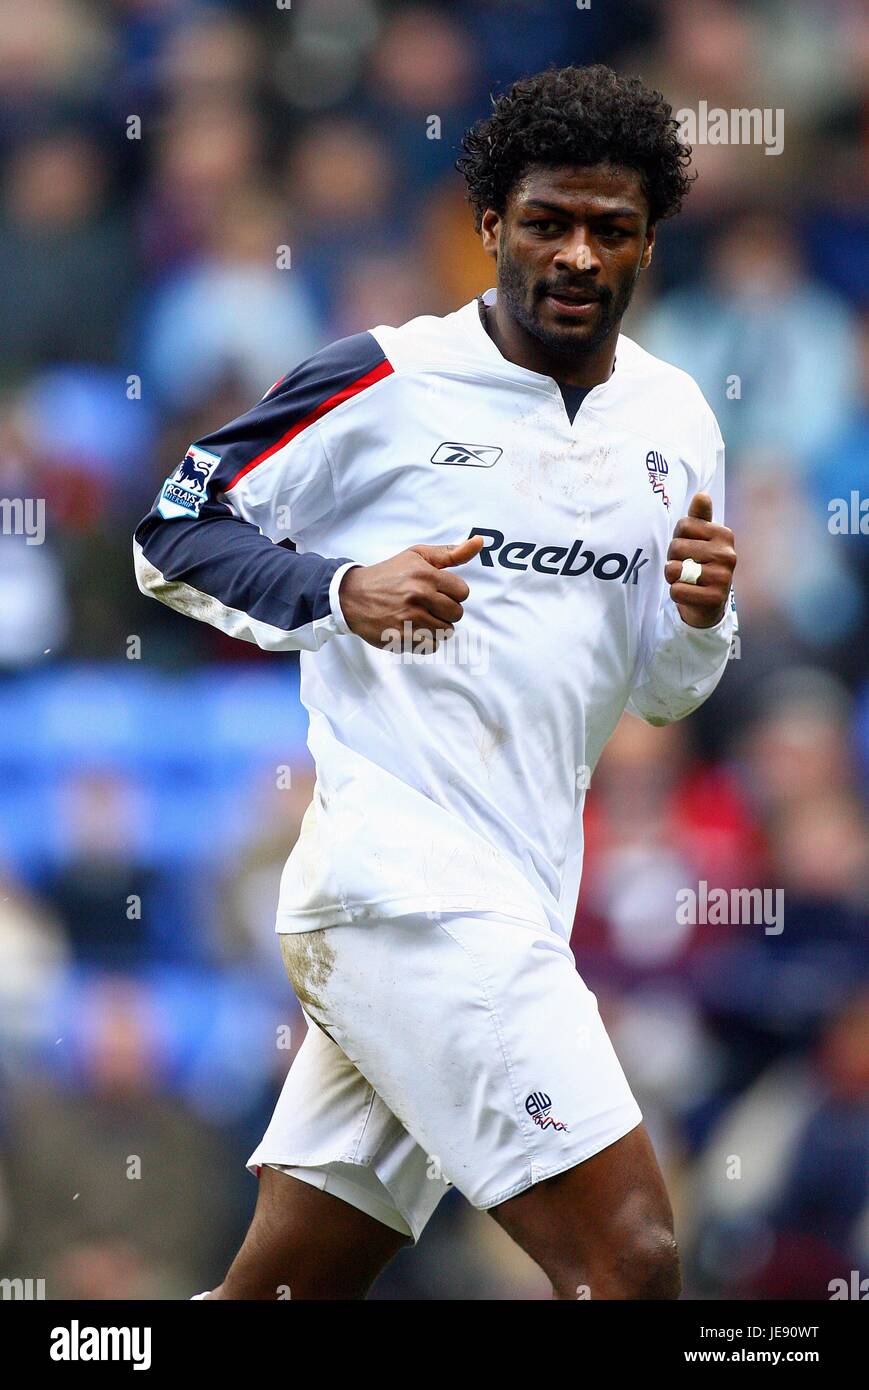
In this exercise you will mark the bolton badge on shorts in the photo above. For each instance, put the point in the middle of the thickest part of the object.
(538, 1106)
(184, 492)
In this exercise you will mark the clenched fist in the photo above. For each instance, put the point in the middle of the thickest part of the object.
(413, 587)
(697, 537)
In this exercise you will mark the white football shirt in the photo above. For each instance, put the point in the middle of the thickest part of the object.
(454, 779)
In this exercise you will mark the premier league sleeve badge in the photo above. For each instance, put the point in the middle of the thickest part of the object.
(186, 489)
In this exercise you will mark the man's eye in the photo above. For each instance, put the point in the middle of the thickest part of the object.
(544, 225)
(617, 232)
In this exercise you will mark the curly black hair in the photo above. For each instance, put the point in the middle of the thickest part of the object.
(581, 116)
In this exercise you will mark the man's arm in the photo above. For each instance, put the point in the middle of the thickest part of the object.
(696, 623)
(224, 571)
(217, 544)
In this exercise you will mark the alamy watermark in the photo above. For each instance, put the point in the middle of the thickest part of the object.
(849, 516)
(23, 516)
(743, 125)
(22, 1290)
(747, 907)
(77, 1343)
(855, 1287)
(412, 645)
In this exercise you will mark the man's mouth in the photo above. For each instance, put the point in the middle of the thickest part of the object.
(574, 296)
(577, 303)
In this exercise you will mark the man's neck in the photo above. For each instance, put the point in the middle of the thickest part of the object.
(519, 346)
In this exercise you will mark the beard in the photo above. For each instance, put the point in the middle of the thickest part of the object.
(514, 285)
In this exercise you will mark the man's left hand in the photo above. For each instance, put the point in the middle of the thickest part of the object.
(698, 537)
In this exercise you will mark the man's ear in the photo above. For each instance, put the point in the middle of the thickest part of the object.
(650, 242)
(490, 229)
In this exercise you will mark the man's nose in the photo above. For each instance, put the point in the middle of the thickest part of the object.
(578, 253)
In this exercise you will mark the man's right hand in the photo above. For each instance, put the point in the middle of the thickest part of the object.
(414, 587)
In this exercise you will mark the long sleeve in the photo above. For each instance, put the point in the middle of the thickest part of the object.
(218, 543)
(682, 665)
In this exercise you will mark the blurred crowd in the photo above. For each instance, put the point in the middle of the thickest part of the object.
(196, 196)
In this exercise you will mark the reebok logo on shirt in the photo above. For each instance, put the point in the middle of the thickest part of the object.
(547, 559)
(467, 455)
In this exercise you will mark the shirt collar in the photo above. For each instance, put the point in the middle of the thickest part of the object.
(489, 348)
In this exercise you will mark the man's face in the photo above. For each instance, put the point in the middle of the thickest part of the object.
(569, 249)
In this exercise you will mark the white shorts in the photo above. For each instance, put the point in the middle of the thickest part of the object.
(461, 1049)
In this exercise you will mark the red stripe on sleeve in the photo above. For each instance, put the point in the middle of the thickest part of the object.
(361, 383)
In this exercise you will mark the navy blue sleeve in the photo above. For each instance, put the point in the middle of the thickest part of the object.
(197, 551)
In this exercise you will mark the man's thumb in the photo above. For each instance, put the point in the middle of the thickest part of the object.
(442, 556)
(701, 506)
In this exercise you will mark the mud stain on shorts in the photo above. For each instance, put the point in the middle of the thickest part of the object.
(309, 960)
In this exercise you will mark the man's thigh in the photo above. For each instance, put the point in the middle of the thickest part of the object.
(592, 1225)
(307, 1244)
